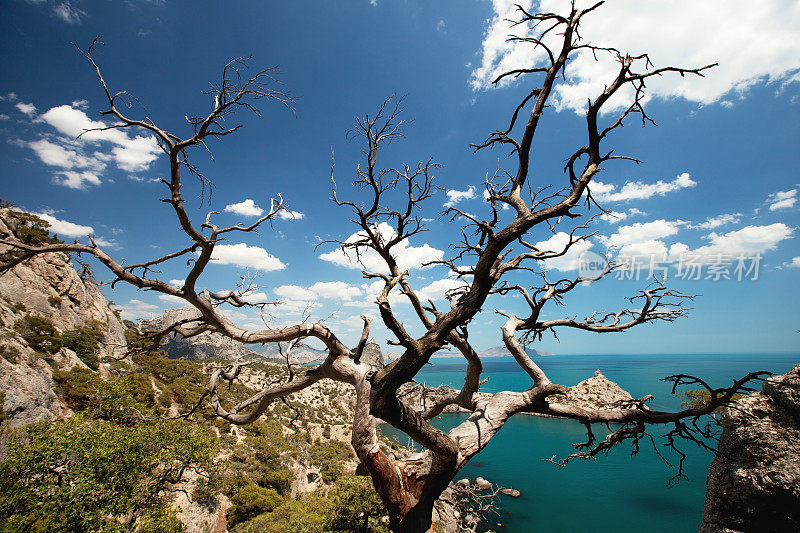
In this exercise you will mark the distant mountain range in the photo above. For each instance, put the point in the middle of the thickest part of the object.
(497, 351)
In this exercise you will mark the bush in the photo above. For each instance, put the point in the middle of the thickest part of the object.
(251, 501)
(330, 456)
(83, 475)
(308, 514)
(355, 506)
(84, 342)
(39, 333)
(162, 519)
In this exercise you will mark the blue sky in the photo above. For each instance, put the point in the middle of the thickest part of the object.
(719, 179)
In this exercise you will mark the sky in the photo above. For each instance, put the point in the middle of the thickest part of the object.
(714, 204)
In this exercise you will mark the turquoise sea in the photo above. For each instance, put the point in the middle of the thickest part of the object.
(616, 492)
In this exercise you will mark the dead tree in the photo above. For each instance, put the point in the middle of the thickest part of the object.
(489, 250)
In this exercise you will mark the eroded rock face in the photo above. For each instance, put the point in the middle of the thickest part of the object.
(597, 392)
(47, 286)
(754, 481)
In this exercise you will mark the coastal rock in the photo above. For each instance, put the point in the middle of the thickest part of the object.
(508, 491)
(482, 484)
(754, 480)
(597, 392)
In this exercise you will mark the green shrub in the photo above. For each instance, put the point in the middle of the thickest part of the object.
(39, 333)
(162, 519)
(308, 514)
(330, 456)
(355, 506)
(84, 342)
(54, 301)
(699, 398)
(81, 474)
(251, 501)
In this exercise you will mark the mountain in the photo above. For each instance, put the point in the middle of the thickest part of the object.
(42, 299)
(498, 351)
(215, 346)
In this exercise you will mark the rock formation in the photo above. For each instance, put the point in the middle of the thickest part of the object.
(754, 480)
(46, 286)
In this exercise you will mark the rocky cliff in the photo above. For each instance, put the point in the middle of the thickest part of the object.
(754, 480)
(49, 287)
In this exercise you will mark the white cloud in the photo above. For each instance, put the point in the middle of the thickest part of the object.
(69, 14)
(177, 282)
(246, 208)
(132, 154)
(441, 26)
(335, 290)
(782, 199)
(715, 222)
(246, 256)
(748, 241)
(568, 261)
(135, 309)
(762, 45)
(437, 290)
(285, 214)
(794, 263)
(64, 228)
(106, 243)
(28, 109)
(614, 217)
(295, 292)
(171, 299)
(3, 116)
(643, 231)
(75, 180)
(454, 196)
(637, 190)
(407, 256)
(63, 156)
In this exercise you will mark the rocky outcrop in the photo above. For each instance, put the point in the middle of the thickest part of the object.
(210, 345)
(754, 480)
(597, 392)
(372, 355)
(46, 286)
(199, 348)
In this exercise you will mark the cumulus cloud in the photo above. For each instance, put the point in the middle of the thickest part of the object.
(246, 208)
(747, 242)
(246, 256)
(721, 220)
(613, 217)
(782, 200)
(295, 292)
(794, 263)
(438, 289)
(672, 33)
(285, 214)
(568, 261)
(637, 190)
(75, 180)
(335, 290)
(27, 109)
(454, 196)
(65, 228)
(407, 256)
(136, 309)
(132, 154)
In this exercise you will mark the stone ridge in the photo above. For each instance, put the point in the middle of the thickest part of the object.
(754, 480)
(47, 286)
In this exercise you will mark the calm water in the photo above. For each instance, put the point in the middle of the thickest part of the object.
(616, 492)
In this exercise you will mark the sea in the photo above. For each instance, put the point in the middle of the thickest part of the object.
(616, 492)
